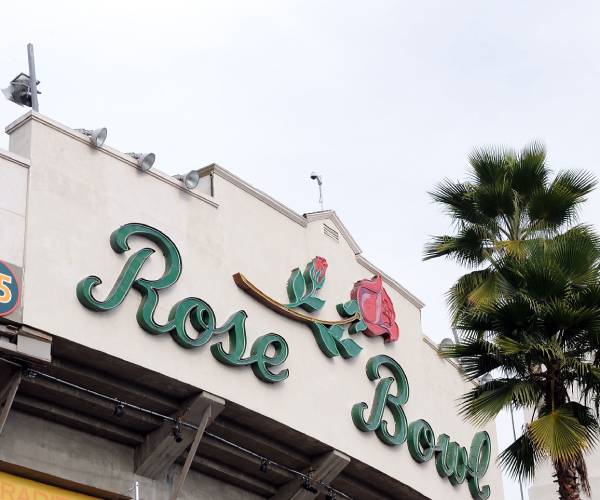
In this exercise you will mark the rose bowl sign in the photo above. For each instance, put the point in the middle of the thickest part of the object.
(369, 311)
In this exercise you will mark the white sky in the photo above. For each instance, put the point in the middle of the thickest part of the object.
(384, 98)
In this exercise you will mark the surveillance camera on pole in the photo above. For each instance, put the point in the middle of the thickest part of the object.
(22, 90)
(319, 178)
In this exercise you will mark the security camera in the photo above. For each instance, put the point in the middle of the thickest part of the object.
(316, 177)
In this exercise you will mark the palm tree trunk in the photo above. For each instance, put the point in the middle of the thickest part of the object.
(566, 477)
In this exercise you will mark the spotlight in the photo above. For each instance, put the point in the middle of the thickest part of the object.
(445, 343)
(144, 160)
(264, 465)
(18, 90)
(97, 137)
(190, 180)
(119, 409)
(177, 432)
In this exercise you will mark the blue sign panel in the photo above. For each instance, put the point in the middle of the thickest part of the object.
(9, 289)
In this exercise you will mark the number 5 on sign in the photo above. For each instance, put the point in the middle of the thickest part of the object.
(9, 289)
(5, 292)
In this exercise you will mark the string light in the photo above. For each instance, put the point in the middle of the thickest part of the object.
(177, 431)
(119, 409)
(178, 423)
(307, 486)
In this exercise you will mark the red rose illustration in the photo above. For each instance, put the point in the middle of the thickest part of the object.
(320, 268)
(376, 309)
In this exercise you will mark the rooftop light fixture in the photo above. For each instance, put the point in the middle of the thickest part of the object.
(97, 137)
(18, 90)
(22, 89)
(446, 342)
(190, 180)
(144, 160)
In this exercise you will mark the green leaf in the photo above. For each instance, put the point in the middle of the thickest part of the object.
(325, 340)
(347, 309)
(349, 349)
(295, 287)
(311, 304)
(560, 435)
(519, 459)
(483, 403)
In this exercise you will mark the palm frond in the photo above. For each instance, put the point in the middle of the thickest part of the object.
(483, 403)
(560, 435)
(556, 206)
(529, 174)
(490, 165)
(469, 247)
(520, 459)
(457, 200)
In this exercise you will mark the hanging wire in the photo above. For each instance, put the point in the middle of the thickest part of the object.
(265, 462)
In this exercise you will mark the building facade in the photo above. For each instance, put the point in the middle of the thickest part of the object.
(162, 342)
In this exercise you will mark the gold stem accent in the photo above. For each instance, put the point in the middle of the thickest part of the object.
(242, 282)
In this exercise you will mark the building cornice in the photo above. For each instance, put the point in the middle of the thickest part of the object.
(13, 158)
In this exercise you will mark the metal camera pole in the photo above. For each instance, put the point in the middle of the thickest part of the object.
(32, 80)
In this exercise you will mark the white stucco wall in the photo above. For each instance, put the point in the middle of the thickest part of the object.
(13, 205)
(79, 195)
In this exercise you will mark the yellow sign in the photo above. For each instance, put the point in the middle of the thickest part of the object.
(18, 488)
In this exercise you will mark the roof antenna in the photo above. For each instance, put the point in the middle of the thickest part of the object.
(22, 90)
(319, 178)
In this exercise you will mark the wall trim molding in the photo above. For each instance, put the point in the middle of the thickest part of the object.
(13, 158)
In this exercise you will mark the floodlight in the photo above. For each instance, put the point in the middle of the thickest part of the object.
(18, 90)
(144, 160)
(97, 137)
(190, 180)
(446, 342)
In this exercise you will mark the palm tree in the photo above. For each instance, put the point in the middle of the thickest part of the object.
(530, 312)
(541, 338)
(508, 200)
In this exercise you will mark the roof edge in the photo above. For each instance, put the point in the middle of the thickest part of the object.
(257, 193)
(413, 299)
(333, 216)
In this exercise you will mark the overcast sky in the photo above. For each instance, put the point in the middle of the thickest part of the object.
(384, 98)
